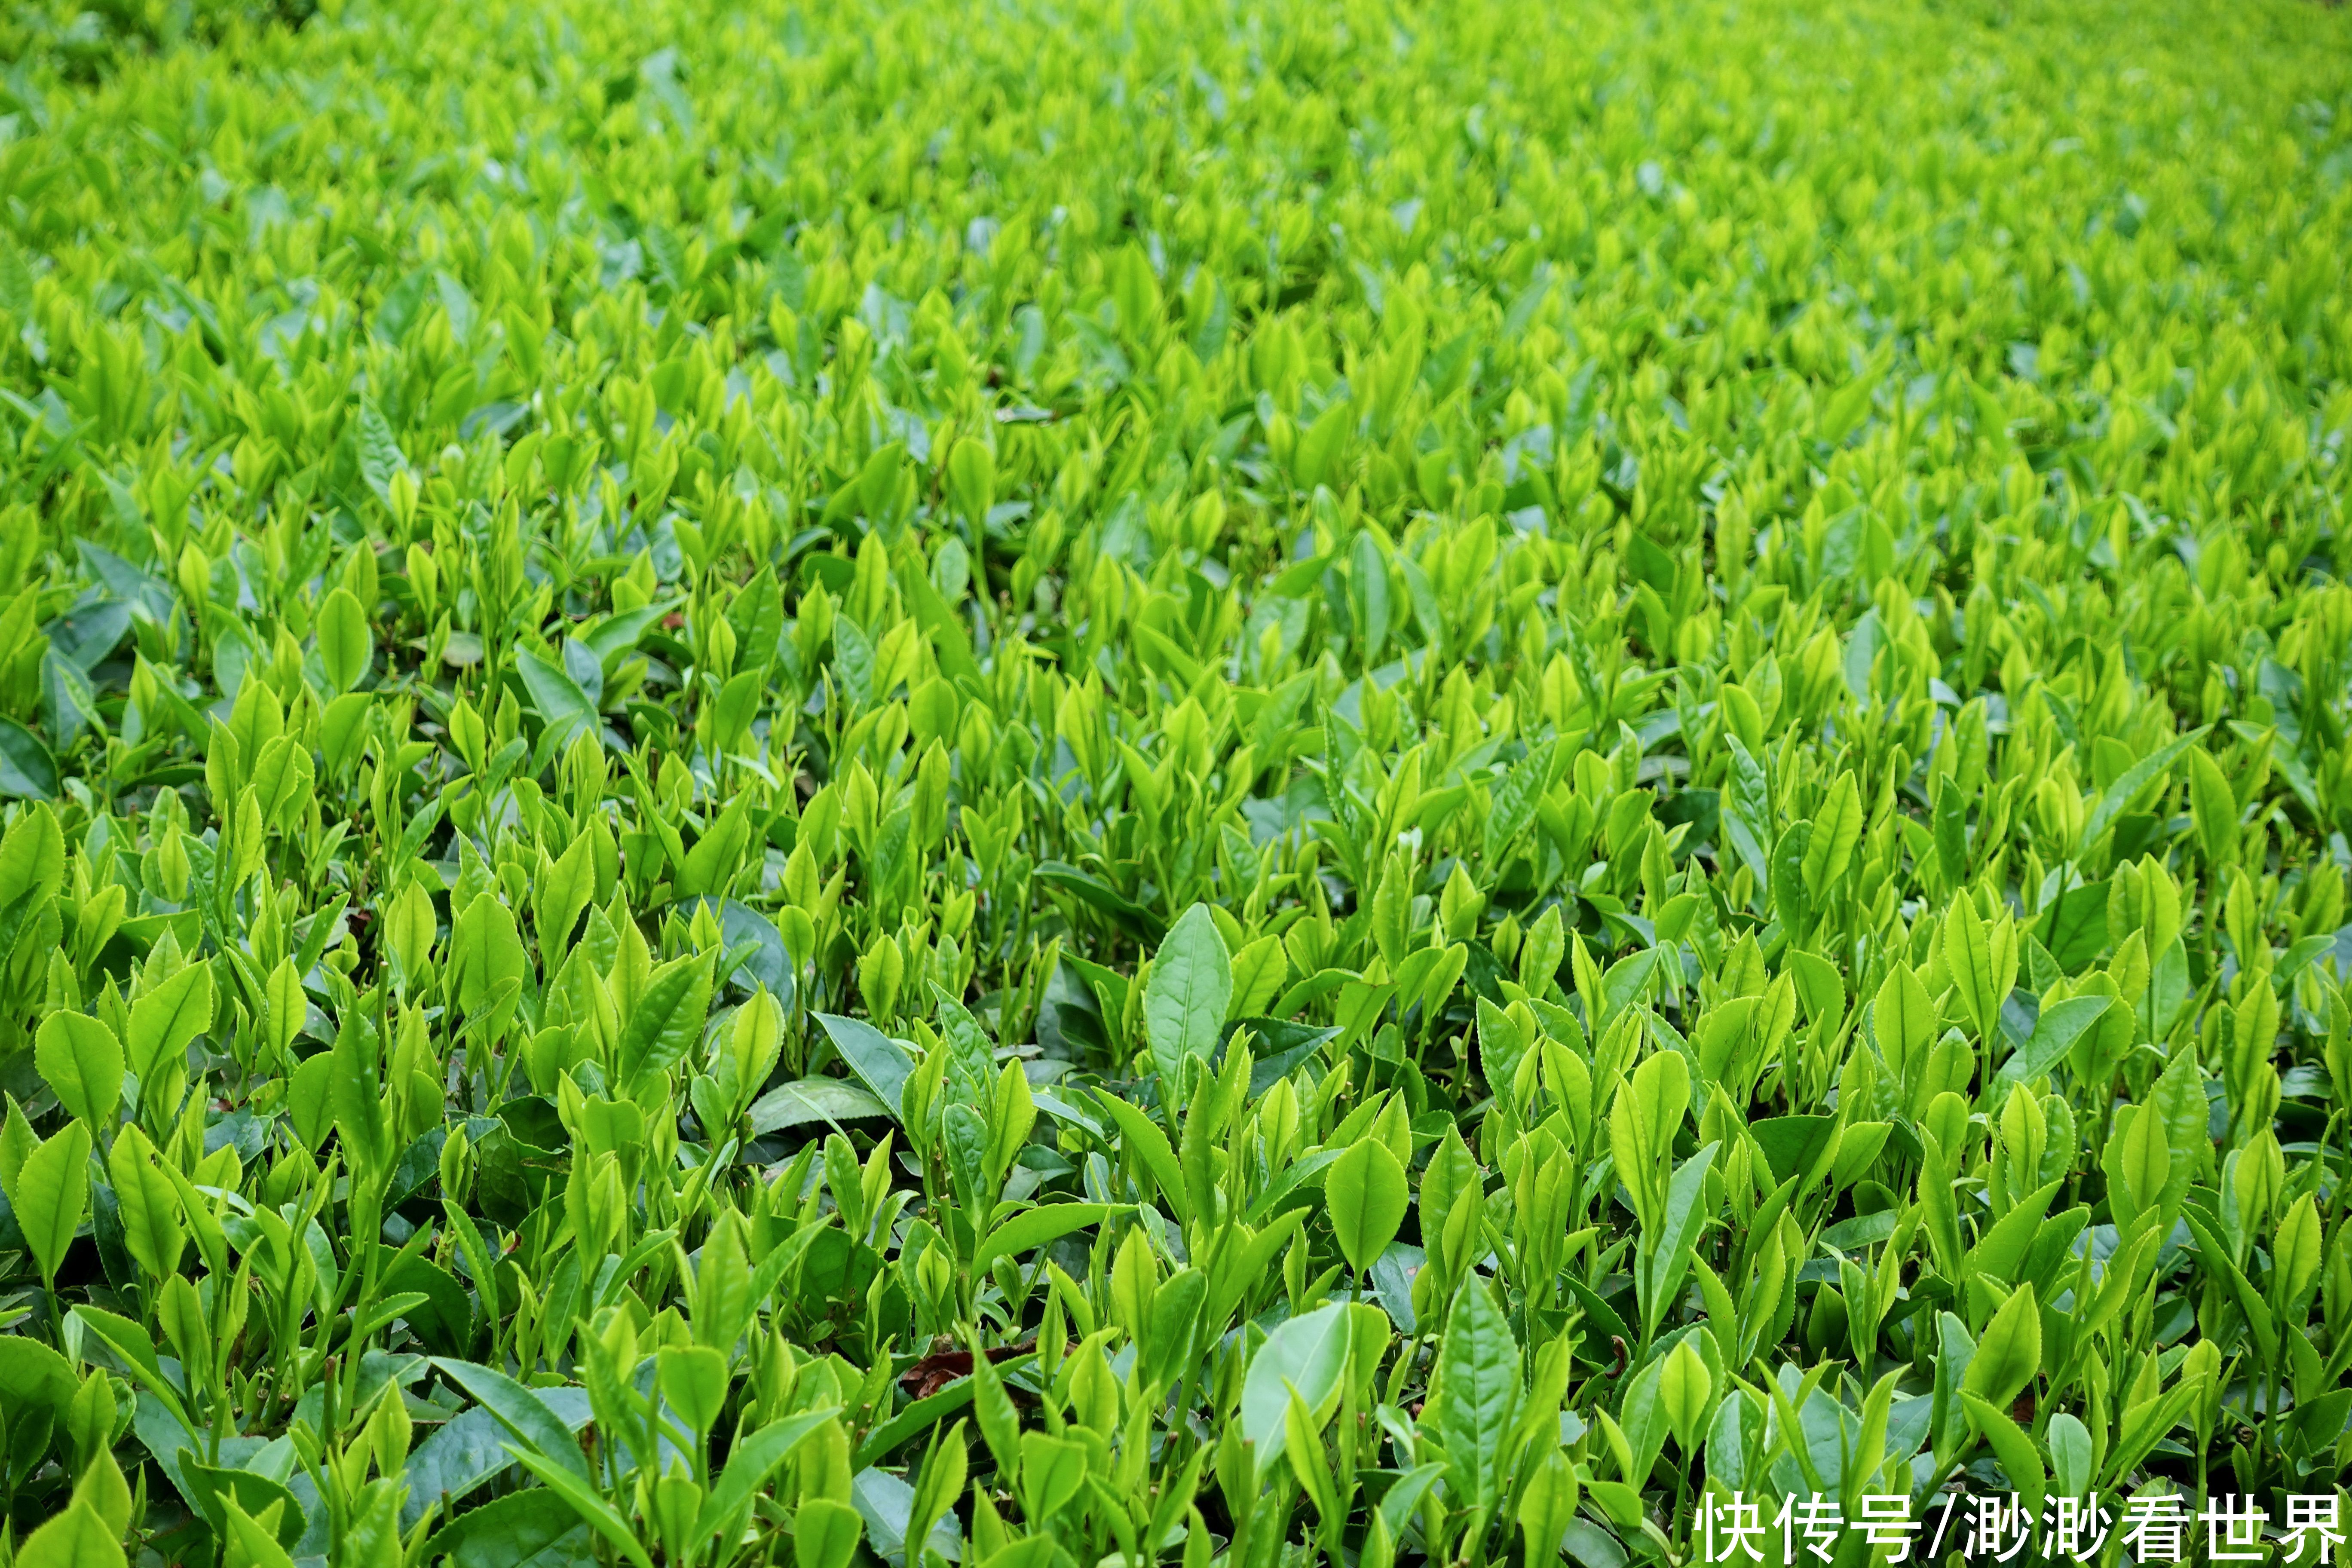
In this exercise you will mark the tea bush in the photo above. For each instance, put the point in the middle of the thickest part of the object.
(1100, 782)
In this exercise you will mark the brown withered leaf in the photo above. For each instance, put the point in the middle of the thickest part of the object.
(945, 1364)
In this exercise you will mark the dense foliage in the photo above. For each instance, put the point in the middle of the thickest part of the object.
(1297, 782)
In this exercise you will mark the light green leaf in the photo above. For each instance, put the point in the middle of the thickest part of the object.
(831, 1101)
(2009, 1352)
(48, 1194)
(346, 646)
(2055, 1034)
(750, 1464)
(668, 1019)
(1368, 1195)
(1184, 1001)
(1307, 1353)
(1477, 1392)
(2070, 1453)
(484, 950)
(1032, 1228)
(2125, 791)
(826, 1535)
(167, 1018)
(82, 1061)
(559, 895)
(76, 1538)
(1837, 828)
(2008, 1440)
(1670, 1255)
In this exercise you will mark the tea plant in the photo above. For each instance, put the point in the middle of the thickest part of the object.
(1039, 786)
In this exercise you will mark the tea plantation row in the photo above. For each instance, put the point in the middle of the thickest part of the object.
(1049, 785)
